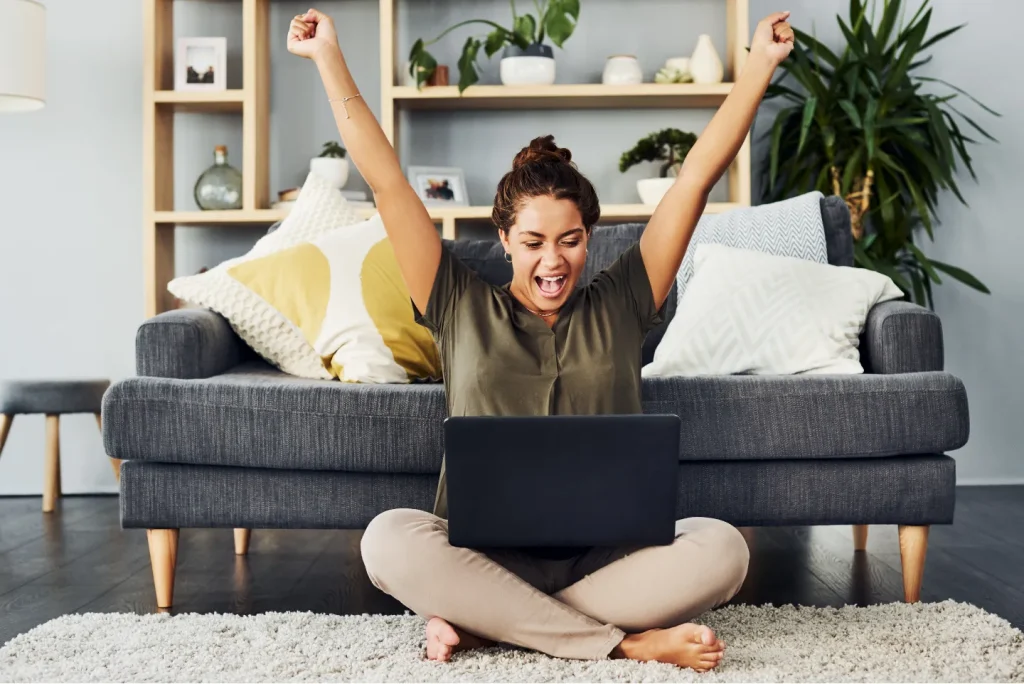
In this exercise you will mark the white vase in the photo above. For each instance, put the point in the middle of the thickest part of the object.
(622, 69)
(651, 190)
(533, 66)
(705, 64)
(333, 169)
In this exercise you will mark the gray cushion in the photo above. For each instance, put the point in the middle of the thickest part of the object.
(259, 417)
(51, 396)
(188, 343)
(915, 490)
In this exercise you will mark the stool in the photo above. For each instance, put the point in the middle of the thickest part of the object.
(53, 398)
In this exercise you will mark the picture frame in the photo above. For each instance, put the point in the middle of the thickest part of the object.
(200, 63)
(439, 186)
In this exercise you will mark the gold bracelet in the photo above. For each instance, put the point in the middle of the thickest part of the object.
(344, 100)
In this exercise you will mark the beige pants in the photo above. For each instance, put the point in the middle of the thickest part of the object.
(576, 608)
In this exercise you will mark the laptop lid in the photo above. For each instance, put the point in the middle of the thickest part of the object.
(562, 481)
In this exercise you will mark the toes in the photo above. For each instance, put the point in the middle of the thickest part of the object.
(705, 636)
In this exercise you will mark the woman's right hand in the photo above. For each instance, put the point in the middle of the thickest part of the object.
(310, 33)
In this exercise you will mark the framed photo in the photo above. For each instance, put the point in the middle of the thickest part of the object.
(439, 186)
(201, 64)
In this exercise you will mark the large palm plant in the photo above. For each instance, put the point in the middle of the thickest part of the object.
(865, 125)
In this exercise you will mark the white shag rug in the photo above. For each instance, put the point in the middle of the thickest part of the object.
(946, 641)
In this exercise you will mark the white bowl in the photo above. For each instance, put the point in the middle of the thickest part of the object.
(527, 70)
(653, 189)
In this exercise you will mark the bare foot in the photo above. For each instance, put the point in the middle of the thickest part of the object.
(444, 640)
(689, 645)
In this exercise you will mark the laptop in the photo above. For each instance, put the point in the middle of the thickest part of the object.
(562, 481)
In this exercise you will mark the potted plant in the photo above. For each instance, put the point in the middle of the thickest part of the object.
(331, 164)
(670, 146)
(525, 60)
(865, 125)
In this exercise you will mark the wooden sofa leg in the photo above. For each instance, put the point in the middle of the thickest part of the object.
(163, 556)
(242, 541)
(913, 548)
(860, 537)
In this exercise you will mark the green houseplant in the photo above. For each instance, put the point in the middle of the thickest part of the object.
(556, 19)
(864, 124)
(669, 146)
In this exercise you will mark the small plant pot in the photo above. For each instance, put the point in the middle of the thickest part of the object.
(533, 66)
(653, 189)
(333, 169)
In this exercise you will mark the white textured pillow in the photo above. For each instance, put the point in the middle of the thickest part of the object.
(319, 208)
(749, 312)
(791, 227)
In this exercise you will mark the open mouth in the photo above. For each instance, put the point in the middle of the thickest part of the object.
(550, 286)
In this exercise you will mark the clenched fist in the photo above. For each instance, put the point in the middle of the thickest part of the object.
(310, 33)
(773, 38)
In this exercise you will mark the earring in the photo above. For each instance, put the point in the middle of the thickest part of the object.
(508, 257)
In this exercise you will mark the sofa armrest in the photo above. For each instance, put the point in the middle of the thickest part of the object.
(187, 344)
(900, 337)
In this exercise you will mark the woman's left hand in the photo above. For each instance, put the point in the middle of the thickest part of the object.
(773, 38)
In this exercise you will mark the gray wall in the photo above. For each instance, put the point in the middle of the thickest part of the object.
(70, 178)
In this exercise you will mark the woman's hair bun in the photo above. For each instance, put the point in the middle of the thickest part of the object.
(540, 151)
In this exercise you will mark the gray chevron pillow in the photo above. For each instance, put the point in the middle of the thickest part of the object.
(791, 228)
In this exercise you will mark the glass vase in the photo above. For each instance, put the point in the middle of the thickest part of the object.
(220, 186)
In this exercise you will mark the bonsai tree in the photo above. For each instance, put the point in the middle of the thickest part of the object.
(670, 145)
(862, 123)
(557, 20)
(333, 149)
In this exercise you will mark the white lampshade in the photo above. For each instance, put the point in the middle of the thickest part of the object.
(22, 55)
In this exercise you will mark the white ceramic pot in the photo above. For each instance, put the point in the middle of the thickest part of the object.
(333, 169)
(620, 69)
(532, 66)
(653, 189)
(705, 64)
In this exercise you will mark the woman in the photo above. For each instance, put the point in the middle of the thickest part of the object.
(540, 346)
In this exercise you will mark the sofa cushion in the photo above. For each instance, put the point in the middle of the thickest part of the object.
(256, 416)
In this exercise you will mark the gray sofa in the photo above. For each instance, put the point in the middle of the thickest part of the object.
(212, 436)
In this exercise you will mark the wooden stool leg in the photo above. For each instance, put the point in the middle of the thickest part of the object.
(115, 463)
(913, 547)
(6, 421)
(51, 467)
(860, 537)
(163, 556)
(242, 541)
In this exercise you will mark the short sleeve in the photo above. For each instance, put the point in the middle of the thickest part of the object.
(451, 281)
(626, 280)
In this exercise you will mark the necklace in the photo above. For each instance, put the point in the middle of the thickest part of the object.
(536, 313)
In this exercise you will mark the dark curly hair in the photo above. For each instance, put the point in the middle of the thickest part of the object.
(544, 169)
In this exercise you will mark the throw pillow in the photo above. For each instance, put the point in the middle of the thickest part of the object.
(792, 227)
(318, 209)
(749, 312)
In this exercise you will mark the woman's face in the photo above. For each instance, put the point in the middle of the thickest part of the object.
(548, 245)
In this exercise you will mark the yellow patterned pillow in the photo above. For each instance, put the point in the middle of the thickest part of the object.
(344, 293)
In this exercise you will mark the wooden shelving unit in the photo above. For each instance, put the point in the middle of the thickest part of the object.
(160, 102)
(395, 98)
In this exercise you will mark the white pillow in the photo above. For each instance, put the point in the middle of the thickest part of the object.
(749, 312)
(318, 209)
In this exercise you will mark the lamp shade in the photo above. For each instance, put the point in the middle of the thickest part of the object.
(22, 55)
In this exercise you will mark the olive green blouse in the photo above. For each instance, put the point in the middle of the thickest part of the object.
(498, 359)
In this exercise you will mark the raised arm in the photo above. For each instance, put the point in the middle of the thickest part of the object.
(668, 233)
(413, 235)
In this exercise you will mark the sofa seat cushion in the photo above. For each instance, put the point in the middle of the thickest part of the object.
(256, 416)
(753, 417)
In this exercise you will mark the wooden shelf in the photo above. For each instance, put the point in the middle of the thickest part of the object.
(226, 217)
(200, 100)
(569, 96)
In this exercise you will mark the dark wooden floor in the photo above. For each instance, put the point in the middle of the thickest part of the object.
(78, 560)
